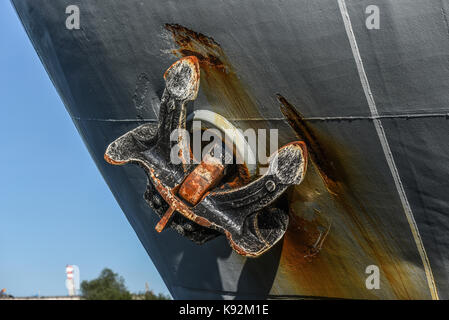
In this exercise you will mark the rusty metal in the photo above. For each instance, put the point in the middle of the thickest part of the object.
(205, 176)
(165, 219)
(198, 201)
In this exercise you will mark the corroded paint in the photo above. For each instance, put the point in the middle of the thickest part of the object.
(331, 237)
(219, 81)
(203, 178)
(247, 215)
(177, 204)
(325, 206)
(165, 219)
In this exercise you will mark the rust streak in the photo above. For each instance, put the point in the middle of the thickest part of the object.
(165, 219)
(220, 83)
(317, 153)
(326, 186)
(113, 162)
(317, 258)
(203, 178)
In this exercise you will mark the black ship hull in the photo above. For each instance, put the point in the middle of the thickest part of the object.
(376, 102)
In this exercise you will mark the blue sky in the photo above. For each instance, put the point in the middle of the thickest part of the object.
(55, 208)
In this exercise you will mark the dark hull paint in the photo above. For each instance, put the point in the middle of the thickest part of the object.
(109, 75)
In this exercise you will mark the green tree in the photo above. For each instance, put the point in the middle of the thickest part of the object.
(108, 286)
(150, 295)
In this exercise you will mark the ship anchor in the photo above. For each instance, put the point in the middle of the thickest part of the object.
(196, 199)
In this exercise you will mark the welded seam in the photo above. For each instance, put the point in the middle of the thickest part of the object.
(387, 116)
(386, 148)
(311, 119)
(113, 120)
(446, 22)
(268, 296)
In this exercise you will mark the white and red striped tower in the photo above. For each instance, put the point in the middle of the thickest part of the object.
(69, 282)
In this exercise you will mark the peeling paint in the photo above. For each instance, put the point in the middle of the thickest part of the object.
(332, 236)
(220, 83)
(354, 236)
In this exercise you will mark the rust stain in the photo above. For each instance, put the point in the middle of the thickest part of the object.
(325, 186)
(220, 84)
(311, 234)
(203, 178)
(113, 162)
(169, 195)
(177, 205)
(219, 81)
(325, 167)
(331, 237)
(165, 219)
